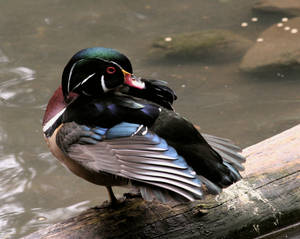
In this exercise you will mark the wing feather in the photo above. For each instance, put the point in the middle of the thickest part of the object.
(143, 158)
(147, 160)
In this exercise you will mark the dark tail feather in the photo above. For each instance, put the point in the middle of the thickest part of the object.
(228, 151)
(235, 172)
(209, 137)
(230, 159)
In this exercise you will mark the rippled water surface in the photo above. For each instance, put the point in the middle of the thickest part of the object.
(38, 37)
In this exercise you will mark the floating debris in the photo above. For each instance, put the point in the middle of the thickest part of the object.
(244, 24)
(280, 75)
(168, 39)
(280, 24)
(254, 19)
(183, 85)
(294, 31)
(41, 219)
(47, 20)
(259, 39)
(287, 28)
(285, 19)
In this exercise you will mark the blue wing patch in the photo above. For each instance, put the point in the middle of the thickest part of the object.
(123, 129)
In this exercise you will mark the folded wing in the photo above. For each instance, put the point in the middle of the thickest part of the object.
(132, 151)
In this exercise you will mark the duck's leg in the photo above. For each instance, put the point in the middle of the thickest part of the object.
(112, 197)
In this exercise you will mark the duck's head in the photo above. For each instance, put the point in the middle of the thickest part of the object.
(95, 71)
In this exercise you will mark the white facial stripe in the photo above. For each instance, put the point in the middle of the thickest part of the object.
(70, 74)
(117, 64)
(53, 120)
(86, 93)
(86, 79)
(82, 82)
(105, 89)
(76, 86)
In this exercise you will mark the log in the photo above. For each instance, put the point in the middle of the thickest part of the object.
(265, 200)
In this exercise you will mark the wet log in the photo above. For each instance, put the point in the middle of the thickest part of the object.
(267, 199)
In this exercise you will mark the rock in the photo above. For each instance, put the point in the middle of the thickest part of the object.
(287, 7)
(218, 44)
(276, 48)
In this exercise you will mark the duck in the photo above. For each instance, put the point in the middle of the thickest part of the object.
(112, 128)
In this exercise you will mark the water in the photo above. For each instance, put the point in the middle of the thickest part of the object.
(37, 39)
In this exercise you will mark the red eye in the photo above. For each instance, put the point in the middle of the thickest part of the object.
(110, 70)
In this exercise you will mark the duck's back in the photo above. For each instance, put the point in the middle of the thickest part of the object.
(111, 110)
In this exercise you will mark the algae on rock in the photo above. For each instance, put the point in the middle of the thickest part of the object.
(219, 44)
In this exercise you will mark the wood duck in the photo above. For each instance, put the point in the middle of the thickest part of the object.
(114, 129)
